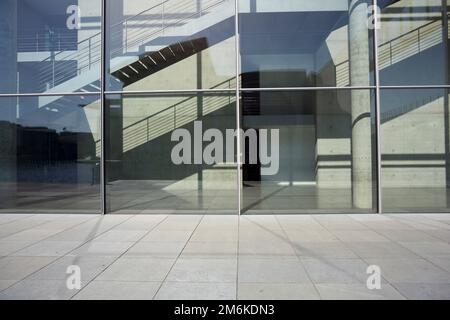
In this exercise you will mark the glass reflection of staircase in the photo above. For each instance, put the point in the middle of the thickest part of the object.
(137, 50)
(173, 117)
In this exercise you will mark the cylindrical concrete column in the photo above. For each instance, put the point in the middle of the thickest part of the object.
(359, 54)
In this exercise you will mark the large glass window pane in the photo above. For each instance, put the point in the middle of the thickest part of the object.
(167, 153)
(50, 46)
(415, 150)
(305, 43)
(50, 154)
(171, 44)
(413, 42)
(323, 159)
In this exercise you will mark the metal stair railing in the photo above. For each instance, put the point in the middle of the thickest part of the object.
(398, 49)
(44, 41)
(137, 32)
(130, 33)
(172, 117)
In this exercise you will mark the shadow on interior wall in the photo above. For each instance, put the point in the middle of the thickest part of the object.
(423, 68)
(151, 160)
(326, 69)
(398, 103)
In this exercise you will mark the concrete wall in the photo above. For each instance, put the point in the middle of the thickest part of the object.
(149, 158)
(413, 144)
(331, 53)
(296, 158)
(214, 67)
(392, 28)
(333, 148)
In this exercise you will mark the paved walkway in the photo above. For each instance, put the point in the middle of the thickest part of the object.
(225, 257)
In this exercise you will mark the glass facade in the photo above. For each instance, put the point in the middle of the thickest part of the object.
(224, 106)
(321, 166)
(415, 149)
(171, 45)
(300, 44)
(142, 175)
(414, 31)
(49, 156)
(50, 46)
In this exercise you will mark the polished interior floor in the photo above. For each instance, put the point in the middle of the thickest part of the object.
(225, 257)
(159, 197)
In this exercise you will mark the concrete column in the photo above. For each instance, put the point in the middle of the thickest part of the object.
(359, 54)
